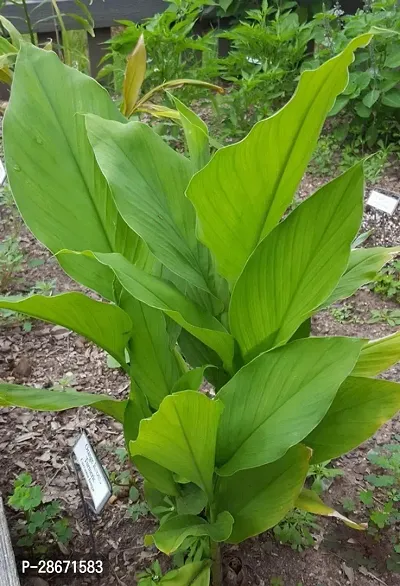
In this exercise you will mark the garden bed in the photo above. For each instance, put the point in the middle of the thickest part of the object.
(34, 353)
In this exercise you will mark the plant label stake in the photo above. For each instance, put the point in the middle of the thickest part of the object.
(3, 173)
(83, 455)
(382, 202)
(93, 473)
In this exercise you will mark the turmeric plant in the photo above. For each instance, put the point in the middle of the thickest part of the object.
(203, 272)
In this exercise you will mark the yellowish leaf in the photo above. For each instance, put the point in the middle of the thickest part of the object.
(309, 501)
(158, 111)
(134, 76)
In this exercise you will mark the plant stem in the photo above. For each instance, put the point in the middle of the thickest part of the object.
(216, 568)
(29, 23)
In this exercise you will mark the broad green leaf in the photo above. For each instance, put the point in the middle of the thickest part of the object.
(88, 271)
(164, 296)
(58, 187)
(191, 501)
(296, 267)
(106, 325)
(393, 56)
(198, 354)
(196, 134)
(154, 365)
(225, 4)
(340, 103)
(195, 574)
(190, 380)
(364, 264)
(181, 436)
(134, 76)
(174, 531)
(303, 331)
(259, 498)
(371, 97)
(309, 501)
(246, 187)
(49, 400)
(137, 409)
(148, 181)
(161, 478)
(273, 402)
(362, 110)
(378, 355)
(360, 407)
(391, 98)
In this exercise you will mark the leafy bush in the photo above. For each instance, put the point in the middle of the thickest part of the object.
(42, 524)
(373, 93)
(387, 281)
(197, 266)
(267, 49)
(175, 49)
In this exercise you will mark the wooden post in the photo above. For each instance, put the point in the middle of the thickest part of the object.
(97, 50)
(8, 570)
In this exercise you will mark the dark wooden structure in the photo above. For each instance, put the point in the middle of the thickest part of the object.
(104, 13)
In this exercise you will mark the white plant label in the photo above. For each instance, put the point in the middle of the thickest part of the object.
(382, 202)
(3, 174)
(93, 473)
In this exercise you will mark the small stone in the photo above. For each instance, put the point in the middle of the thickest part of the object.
(23, 368)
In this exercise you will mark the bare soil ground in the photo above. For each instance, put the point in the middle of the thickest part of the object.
(40, 443)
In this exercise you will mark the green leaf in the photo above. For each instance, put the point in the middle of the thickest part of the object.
(191, 501)
(225, 4)
(164, 296)
(106, 325)
(392, 98)
(362, 110)
(190, 380)
(378, 355)
(196, 134)
(246, 187)
(161, 478)
(148, 181)
(360, 407)
(273, 402)
(303, 331)
(294, 269)
(171, 534)
(136, 410)
(341, 102)
(48, 400)
(6, 47)
(154, 365)
(198, 354)
(88, 271)
(259, 498)
(393, 56)
(15, 36)
(371, 97)
(195, 574)
(58, 187)
(364, 265)
(181, 437)
(309, 501)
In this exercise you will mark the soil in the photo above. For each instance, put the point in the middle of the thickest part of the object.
(40, 443)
